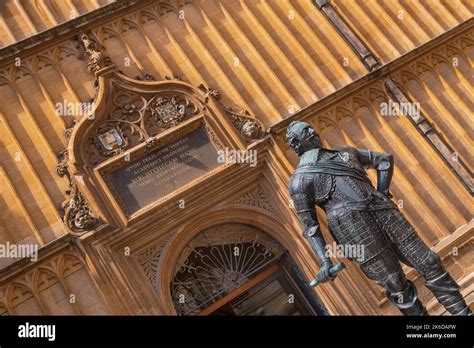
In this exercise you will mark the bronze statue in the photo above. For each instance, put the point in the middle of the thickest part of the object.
(359, 214)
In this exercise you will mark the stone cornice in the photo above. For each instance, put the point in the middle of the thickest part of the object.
(44, 252)
(66, 29)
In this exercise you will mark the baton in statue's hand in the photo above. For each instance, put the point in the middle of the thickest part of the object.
(332, 272)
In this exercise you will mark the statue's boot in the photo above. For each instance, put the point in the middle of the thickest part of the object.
(407, 300)
(446, 290)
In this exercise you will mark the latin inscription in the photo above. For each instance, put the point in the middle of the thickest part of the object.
(159, 173)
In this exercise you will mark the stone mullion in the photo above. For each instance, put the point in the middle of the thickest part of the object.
(26, 17)
(64, 77)
(279, 55)
(457, 103)
(154, 49)
(32, 170)
(47, 97)
(432, 235)
(26, 108)
(193, 71)
(44, 307)
(368, 58)
(36, 232)
(320, 50)
(273, 76)
(436, 100)
(130, 53)
(67, 290)
(247, 77)
(72, 8)
(429, 19)
(46, 144)
(7, 29)
(211, 65)
(46, 9)
(427, 130)
(322, 81)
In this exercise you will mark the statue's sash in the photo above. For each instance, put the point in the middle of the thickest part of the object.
(334, 168)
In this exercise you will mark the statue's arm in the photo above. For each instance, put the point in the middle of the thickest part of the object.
(383, 163)
(305, 208)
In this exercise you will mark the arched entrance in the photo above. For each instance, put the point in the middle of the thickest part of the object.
(238, 269)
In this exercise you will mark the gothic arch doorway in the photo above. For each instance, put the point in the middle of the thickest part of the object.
(237, 269)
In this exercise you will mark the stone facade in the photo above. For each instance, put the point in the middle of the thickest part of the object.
(250, 68)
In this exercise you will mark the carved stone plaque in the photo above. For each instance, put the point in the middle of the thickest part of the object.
(151, 177)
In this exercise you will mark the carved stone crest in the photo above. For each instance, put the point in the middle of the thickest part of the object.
(111, 140)
(136, 118)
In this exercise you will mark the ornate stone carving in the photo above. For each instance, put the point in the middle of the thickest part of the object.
(149, 258)
(135, 119)
(77, 215)
(176, 78)
(31, 283)
(247, 125)
(146, 77)
(97, 60)
(209, 93)
(61, 167)
(255, 197)
(68, 131)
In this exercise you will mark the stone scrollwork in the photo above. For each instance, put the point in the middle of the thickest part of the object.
(68, 131)
(77, 214)
(61, 167)
(248, 126)
(209, 92)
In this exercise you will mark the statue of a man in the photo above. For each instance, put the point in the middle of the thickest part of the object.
(360, 215)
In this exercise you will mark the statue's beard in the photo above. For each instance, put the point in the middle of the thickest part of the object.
(309, 144)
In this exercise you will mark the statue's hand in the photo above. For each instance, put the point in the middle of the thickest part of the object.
(324, 272)
(386, 193)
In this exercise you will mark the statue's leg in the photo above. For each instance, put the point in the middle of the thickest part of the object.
(378, 260)
(415, 253)
(385, 270)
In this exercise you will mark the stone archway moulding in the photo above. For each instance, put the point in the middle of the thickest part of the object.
(285, 235)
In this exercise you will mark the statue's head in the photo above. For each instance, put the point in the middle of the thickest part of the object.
(301, 137)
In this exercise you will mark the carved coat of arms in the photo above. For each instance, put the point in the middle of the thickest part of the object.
(111, 140)
(167, 112)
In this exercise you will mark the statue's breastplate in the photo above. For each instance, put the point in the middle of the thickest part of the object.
(329, 189)
(324, 186)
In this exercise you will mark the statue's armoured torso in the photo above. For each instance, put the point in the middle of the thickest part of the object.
(336, 181)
